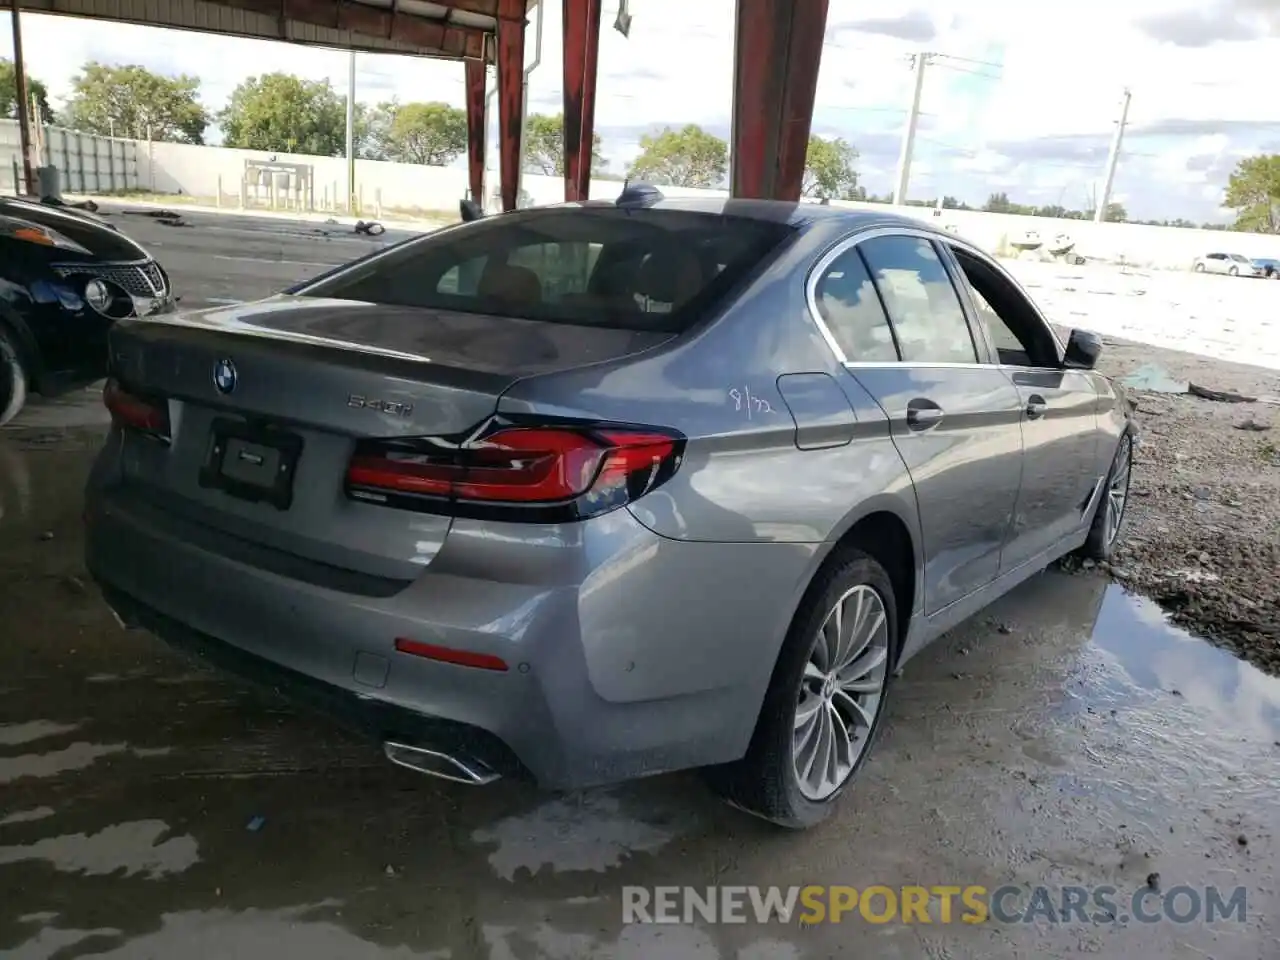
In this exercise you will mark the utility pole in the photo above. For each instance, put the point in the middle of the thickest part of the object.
(921, 60)
(351, 134)
(29, 160)
(1100, 213)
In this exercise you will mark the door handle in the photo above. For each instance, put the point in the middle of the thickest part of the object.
(923, 414)
(1036, 407)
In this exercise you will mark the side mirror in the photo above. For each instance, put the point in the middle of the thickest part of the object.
(470, 210)
(1083, 349)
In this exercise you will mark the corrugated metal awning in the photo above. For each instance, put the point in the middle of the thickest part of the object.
(448, 29)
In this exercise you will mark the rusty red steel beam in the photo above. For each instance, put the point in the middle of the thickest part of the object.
(436, 36)
(581, 33)
(510, 57)
(475, 70)
(776, 59)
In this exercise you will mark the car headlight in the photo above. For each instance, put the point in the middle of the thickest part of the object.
(98, 295)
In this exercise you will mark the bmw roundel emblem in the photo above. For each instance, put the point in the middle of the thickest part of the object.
(224, 376)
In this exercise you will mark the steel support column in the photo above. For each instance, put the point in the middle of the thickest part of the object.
(29, 161)
(581, 23)
(777, 51)
(511, 21)
(475, 76)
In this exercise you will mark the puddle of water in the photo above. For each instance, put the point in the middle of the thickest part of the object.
(291, 932)
(75, 757)
(1159, 656)
(587, 833)
(1154, 378)
(16, 734)
(26, 816)
(135, 848)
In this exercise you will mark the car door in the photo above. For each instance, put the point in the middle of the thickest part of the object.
(1216, 262)
(954, 420)
(1060, 410)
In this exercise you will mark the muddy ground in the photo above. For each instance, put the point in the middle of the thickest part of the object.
(1203, 527)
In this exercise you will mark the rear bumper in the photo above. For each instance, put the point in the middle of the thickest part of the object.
(628, 654)
(367, 716)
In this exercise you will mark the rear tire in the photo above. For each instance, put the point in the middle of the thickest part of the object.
(770, 782)
(1234, 272)
(1108, 515)
(13, 381)
(1199, 268)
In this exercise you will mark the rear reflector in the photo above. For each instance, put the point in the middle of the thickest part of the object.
(534, 467)
(134, 412)
(463, 658)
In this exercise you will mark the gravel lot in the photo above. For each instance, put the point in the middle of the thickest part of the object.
(1203, 535)
(1204, 519)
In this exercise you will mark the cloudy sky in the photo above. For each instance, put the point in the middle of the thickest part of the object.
(1022, 96)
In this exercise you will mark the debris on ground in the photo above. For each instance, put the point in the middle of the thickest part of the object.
(1219, 396)
(255, 824)
(1203, 524)
(370, 228)
(1254, 424)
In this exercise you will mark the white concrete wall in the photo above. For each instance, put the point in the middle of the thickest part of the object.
(196, 171)
(87, 163)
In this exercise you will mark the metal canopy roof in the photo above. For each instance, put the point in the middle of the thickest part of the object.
(448, 29)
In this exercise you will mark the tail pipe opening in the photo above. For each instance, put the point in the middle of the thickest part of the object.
(434, 763)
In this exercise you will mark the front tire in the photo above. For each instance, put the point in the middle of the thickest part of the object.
(13, 381)
(1108, 516)
(825, 701)
(1234, 272)
(1199, 268)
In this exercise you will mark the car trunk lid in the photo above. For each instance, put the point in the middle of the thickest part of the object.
(290, 384)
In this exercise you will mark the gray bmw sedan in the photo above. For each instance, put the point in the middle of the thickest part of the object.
(595, 491)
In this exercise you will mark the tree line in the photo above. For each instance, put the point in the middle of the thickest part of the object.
(283, 113)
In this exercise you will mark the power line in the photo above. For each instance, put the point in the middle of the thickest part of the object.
(977, 63)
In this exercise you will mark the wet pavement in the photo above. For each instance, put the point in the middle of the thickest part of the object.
(152, 809)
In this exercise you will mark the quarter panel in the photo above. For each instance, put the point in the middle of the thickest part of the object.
(742, 478)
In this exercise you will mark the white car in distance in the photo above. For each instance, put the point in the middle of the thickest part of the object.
(1232, 264)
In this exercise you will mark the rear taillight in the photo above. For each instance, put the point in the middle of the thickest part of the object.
(522, 473)
(133, 412)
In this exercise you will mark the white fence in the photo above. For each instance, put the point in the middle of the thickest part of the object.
(86, 163)
(217, 175)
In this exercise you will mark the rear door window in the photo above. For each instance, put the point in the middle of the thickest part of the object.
(851, 309)
(628, 269)
(922, 303)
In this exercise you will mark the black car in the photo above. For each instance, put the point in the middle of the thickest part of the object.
(65, 278)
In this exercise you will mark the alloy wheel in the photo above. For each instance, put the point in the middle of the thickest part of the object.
(841, 692)
(1118, 488)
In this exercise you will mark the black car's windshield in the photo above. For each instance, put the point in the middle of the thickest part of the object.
(600, 266)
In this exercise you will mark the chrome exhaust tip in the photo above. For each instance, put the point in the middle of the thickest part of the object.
(436, 764)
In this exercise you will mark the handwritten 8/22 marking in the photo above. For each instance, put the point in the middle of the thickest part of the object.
(746, 402)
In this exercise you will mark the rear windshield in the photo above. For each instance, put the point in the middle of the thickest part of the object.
(653, 270)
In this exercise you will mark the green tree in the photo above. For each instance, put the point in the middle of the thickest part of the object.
(689, 157)
(430, 133)
(1254, 193)
(828, 169)
(544, 146)
(286, 114)
(131, 101)
(9, 93)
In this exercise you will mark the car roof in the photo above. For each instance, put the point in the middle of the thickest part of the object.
(775, 211)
